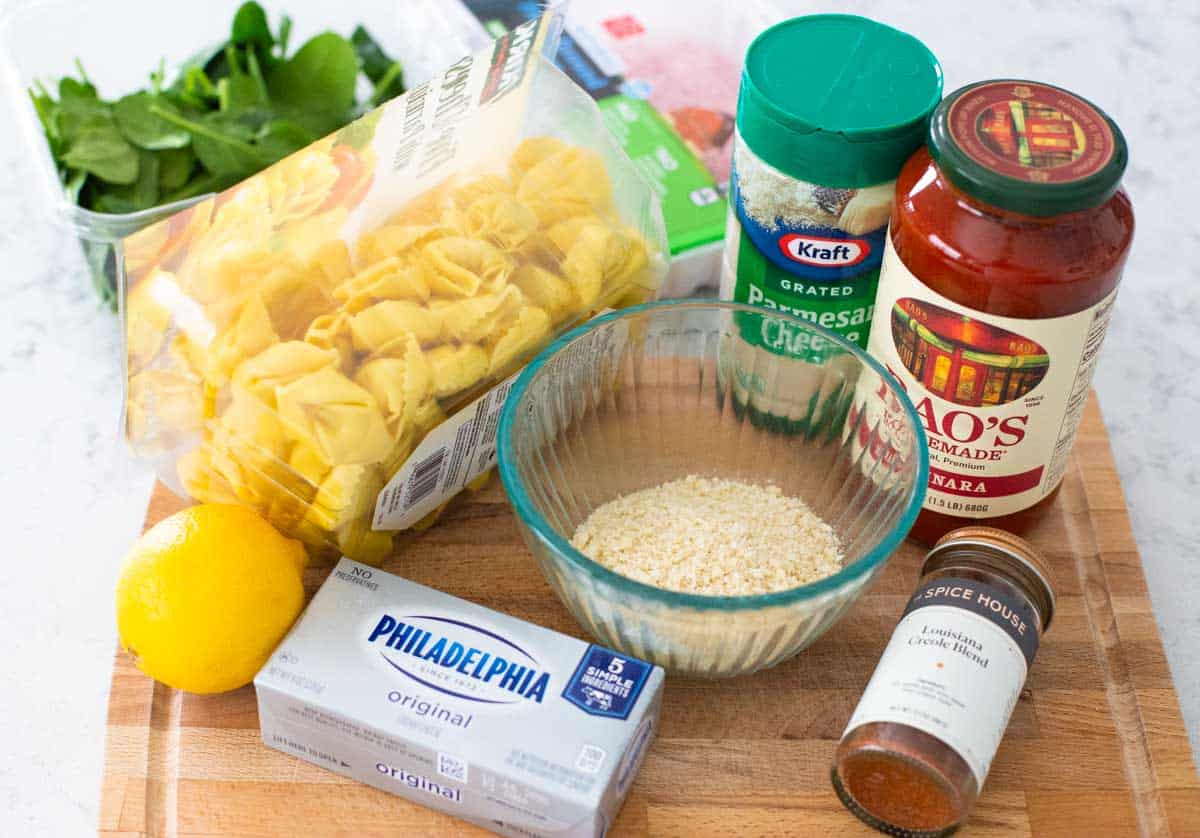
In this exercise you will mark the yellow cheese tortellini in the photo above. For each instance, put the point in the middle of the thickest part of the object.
(460, 267)
(331, 263)
(373, 328)
(528, 330)
(332, 331)
(148, 318)
(570, 182)
(279, 365)
(474, 319)
(309, 463)
(396, 240)
(164, 403)
(468, 193)
(300, 184)
(531, 152)
(247, 336)
(344, 494)
(546, 290)
(301, 369)
(389, 279)
(201, 480)
(454, 369)
(250, 420)
(500, 220)
(338, 418)
(399, 380)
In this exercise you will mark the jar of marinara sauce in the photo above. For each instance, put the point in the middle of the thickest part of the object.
(1007, 241)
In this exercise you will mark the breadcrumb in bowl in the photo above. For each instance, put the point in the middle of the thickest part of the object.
(711, 536)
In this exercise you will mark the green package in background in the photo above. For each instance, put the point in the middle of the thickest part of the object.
(692, 205)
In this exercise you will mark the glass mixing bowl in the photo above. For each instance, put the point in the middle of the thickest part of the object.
(670, 389)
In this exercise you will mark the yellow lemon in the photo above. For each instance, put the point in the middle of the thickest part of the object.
(206, 595)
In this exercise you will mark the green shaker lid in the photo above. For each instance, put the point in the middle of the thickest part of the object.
(1027, 147)
(837, 100)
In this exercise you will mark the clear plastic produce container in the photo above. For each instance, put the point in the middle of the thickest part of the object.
(119, 43)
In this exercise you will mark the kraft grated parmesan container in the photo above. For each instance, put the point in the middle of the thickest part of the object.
(830, 108)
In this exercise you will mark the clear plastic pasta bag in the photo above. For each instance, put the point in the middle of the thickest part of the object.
(330, 341)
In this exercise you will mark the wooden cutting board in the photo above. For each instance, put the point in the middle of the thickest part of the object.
(1096, 747)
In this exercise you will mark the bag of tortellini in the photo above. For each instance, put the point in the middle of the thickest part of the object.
(331, 340)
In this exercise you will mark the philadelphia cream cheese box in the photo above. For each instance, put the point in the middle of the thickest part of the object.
(505, 724)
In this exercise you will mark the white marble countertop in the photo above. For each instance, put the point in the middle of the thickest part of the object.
(76, 498)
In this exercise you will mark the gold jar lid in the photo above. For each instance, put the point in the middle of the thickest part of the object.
(1006, 547)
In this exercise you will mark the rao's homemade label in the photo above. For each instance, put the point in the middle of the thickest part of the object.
(954, 667)
(1000, 398)
(804, 249)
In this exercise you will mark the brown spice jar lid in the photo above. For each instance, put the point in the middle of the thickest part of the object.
(1011, 546)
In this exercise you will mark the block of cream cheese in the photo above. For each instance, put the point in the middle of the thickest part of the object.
(505, 724)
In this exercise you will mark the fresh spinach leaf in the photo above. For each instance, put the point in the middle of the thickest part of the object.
(200, 59)
(232, 109)
(145, 188)
(285, 34)
(277, 139)
(157, 77)
(144, 191)
(315, 87)
(193, 89)
(73, 182)
(223, 146)
(243, 94)
(370, 55)
(49, 114)
(74, 91)
(252, 34)
(175, 167)
(102, 264)
(250, 27)
(139, 195)
(101, 150)
(111, 202)
(78, 108)
(238, 93)
(44, 104)
(202, 184)
(385, 74)
(143, 127)
(254, 71)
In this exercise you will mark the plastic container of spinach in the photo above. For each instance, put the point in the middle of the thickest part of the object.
(127, 46)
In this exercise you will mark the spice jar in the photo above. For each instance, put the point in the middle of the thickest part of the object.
(829, 109)
(1007, 241)
(917, 749)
